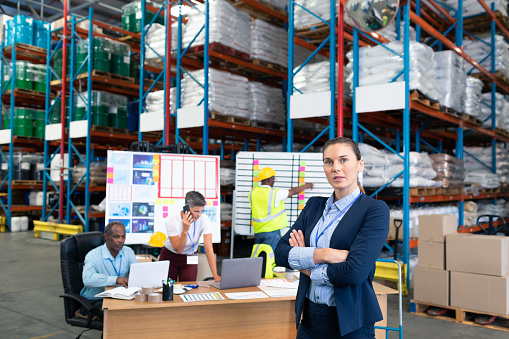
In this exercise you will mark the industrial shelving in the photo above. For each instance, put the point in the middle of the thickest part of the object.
(413, 106)
(14, 96)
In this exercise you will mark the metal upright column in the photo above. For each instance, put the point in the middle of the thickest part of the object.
(167, 73)
(341, 45)
(142, 66)
(406, 139)
(206, 83)
(332, 72)
(291, 44)
(179, 70)
(62, 116)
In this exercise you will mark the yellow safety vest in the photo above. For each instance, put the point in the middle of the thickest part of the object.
(265, 216)
(268, 259)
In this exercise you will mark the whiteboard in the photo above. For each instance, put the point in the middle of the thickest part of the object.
(292, 169)
(143, 189)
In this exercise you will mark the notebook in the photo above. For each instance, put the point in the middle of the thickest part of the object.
(242, 272)
(119, 293)
(149, 274)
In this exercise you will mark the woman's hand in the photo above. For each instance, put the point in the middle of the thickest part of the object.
(297, 239)
(329, 256)
(187, 220)
(217, 278)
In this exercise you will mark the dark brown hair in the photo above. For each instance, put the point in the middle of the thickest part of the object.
(344, 140)
(353, 146)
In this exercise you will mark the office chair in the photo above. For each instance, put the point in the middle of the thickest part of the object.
(72, 258)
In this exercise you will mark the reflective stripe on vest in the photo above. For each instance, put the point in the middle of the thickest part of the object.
(266, 217)
(270, 261)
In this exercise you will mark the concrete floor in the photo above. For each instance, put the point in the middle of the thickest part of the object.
(31, 282)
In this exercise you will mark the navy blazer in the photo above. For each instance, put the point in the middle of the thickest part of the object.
(363, 232)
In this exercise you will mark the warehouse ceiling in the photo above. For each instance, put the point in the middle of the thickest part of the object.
(108, 11)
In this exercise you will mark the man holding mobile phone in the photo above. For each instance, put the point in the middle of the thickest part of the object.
(184, 231)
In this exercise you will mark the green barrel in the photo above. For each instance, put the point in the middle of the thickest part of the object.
(120, 58)
(39, 78)
(24, 76)
(7, 76)
(131, 16)
(55, 116)
(98, 105)
(102, 54)
(39, 124)
(23, 122)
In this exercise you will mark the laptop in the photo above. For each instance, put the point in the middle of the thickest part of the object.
(242, 272)
(149, 274)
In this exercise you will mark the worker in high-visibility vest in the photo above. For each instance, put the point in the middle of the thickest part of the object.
(268, 213)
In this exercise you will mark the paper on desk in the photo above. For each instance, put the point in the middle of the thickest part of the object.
(201, 297)
(246, 295)
(282, 283)
(275, 292)
(177, 289)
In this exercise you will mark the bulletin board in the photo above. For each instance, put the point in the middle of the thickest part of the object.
(292, 169)
(143, 189)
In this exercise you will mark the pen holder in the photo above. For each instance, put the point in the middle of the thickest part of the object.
(289, 274)
(167, 292)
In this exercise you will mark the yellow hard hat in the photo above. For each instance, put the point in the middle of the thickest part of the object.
(266, 173)
(157, 239)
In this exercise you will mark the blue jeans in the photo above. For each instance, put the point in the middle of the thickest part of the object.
(321, 321)
(268, 238)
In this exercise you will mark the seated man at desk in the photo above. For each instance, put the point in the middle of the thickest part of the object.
(107, 265)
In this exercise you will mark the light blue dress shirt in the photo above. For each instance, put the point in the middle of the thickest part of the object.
(321, 291)
(102, 270)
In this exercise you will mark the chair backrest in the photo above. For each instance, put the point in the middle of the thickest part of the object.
(72, 257)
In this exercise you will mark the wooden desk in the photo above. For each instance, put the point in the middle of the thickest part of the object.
(254, 318)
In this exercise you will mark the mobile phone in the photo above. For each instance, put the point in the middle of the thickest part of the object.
(186, 209)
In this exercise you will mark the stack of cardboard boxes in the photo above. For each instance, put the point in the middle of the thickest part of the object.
(461, 270)
(431, 279)
(479, 266)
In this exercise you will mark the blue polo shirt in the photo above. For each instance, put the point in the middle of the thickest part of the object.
(102, 270)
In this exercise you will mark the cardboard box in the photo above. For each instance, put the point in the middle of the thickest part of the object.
(435, 227)
(431, 255)
(431, 286)
(479, 292)
(82, 24)
(145, 258)
(479, 254)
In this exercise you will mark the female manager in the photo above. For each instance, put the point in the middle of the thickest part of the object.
(184, 230)
(335, 243)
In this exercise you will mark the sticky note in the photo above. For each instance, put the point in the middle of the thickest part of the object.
(209, 203)
(256, 173)
(256, 167)
(256, 162)
(303, 163)
(110, 175)
(156, 158)
(216, 203)
(165, 208)
(165, 214)
(156, 179)
(110, 180)
(256, 179)
(165, 201)
(302, 174)
(159, 201)
(301, 197)
(155, 168)
(110, 170)
(301, 207)
(172, 201)
(302, 169)
(255, 184)
(302, 181)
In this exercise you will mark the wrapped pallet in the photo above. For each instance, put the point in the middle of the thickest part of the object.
(378, 65)
(228, 93)
(473, 7)
(154, 103)
(501, 111)
(473, 97)
(155, 39)
(320, 8)
(450, 170)
(451, 79)
(480, 51)
(476, 172)
(227, 26)
(266, 103)
(269, 43)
